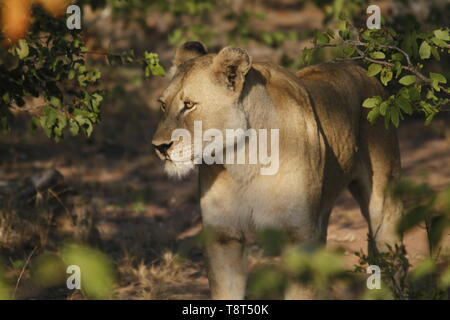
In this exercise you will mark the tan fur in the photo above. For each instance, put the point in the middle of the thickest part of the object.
(326, 145)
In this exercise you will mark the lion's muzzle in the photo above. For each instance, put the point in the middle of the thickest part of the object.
(162, 150)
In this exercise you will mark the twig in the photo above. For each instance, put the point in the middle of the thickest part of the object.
(388, 64)
(408, 59)
(52, 193)
(23, 271)
(362, 56)
(348, 59)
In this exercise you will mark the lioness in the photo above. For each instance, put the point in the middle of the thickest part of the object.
(325, 145)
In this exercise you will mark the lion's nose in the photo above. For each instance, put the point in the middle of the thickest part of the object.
(162, 148)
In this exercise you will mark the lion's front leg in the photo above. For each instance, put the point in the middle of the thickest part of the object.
(227, 268)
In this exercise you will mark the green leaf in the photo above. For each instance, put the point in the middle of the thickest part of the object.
(54, 101)
(438, 77)
(395, 117)
(435, 85)
(378, 55)
(322, 38)
(89, 129)
(74, 128)
(371, 102)
(51, 116)
(425, 50)
(348, 51)
(397, 56)
(435, 53)
(414, 93)
(407, 80)
(442, 34)
(330, 33)
(404, 105)
(373, 115)
(305, 58)
(429, 111)
(157, 70)
(431, 95)
(384, 108)
(373, 69)
(22, 49)
(152, 66)
(439, 42)
(367, 35)
(429, 118)
(386, 76)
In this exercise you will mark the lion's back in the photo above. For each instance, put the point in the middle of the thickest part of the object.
(336, 92)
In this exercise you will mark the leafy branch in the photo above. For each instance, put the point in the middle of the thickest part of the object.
(50, 64)
(388, 55)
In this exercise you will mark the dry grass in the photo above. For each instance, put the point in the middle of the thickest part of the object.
(155, 281)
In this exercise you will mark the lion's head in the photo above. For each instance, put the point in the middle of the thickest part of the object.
(205, 87)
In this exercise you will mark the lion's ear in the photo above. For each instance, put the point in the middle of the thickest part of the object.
(187, 51)
(231, 65)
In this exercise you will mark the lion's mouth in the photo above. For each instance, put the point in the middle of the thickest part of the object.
(173, 157)
(170, 159)
(178, 169)
(182, 159)
(164, 156)
(178, 162)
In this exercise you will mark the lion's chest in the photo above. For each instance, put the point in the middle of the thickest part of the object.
(266, 202)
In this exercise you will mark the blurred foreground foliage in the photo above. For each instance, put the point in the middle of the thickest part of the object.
(5, 290)
(52, 270)
(98, 276)
(424, 207)
(317, 268)
(321, 269)
(46, 74)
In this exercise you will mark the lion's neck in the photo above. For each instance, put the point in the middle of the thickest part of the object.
(257, 103)
(260, 113)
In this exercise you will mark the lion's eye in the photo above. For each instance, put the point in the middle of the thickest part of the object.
(189, 104)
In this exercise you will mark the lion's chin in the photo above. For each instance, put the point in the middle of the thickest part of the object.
(179, 169)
